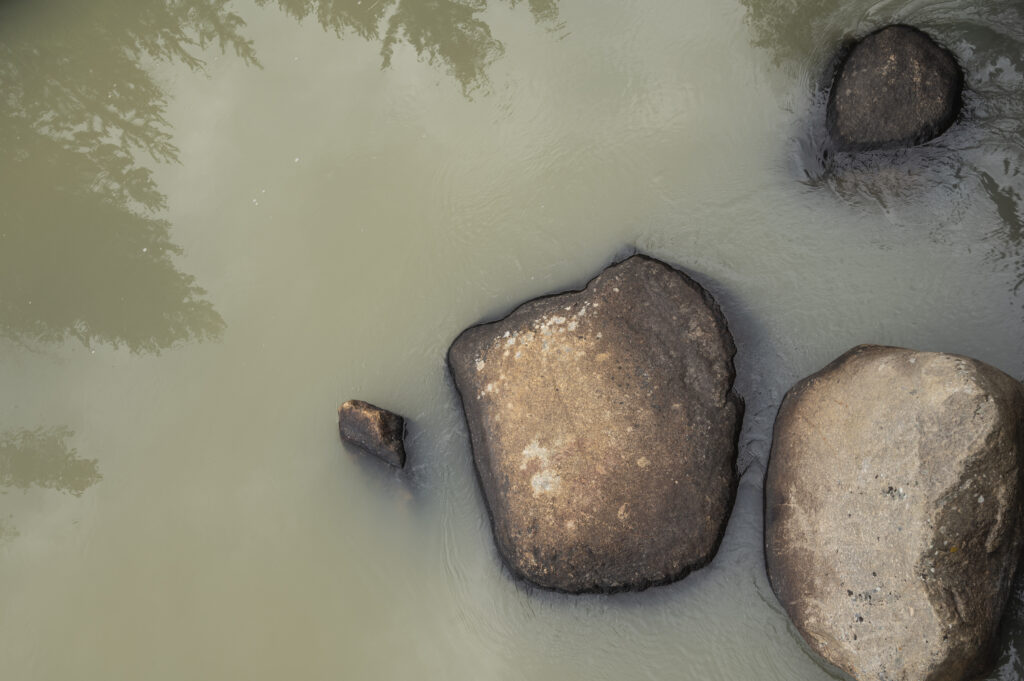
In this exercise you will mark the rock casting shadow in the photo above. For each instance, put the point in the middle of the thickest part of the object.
(754, 441)
(975, 166)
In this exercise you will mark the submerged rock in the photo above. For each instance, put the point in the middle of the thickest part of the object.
(893, 511)
(374, 430)
(604, 429)
(895, 88)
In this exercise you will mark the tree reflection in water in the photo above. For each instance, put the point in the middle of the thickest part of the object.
(85, 253)
(7, 532)
(41, 458)
(447, 32)
(84, 250)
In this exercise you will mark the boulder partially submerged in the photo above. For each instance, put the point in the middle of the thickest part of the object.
(893, 511)
(374, 430)
(895, 87)
(604, 427)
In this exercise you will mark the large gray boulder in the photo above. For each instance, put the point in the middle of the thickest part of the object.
(604, 428)
(893, 511)
(894, 88)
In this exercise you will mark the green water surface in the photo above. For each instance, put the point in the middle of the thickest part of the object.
(220, 220)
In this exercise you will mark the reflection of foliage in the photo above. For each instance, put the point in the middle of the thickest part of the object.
(996, 77)
(42, 458)
(1007, 200)
(449, 32)
(7, 531)
(83, 251)
(799, 30)
(362, 17)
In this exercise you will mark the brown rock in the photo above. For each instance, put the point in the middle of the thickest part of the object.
(604, 429)
(893, 511)
(374, 430)
(895, 88)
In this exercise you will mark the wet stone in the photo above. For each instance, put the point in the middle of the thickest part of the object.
(894, 88)
(893, 511)
(374, 430)
(603, 427)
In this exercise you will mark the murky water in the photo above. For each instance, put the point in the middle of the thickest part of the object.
(220, 221)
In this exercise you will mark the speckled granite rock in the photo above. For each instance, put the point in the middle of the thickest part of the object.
(604, 429)
(895, 88)
(893, 511)
(374, 430)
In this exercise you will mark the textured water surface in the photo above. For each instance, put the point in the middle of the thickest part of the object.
(219, 221)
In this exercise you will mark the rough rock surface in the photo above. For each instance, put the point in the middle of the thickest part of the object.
(895, 88)
(604, 429)
(374, 430)
(893, 511)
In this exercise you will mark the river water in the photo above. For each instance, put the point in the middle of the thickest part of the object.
(219, 221)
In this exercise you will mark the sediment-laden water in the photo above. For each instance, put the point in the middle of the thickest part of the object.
(219, 221)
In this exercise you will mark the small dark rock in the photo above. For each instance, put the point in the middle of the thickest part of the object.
(894, 88)
(374, 430)
(604, 429)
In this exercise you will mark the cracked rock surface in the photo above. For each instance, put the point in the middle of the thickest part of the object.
(893, 511)
(603, 427)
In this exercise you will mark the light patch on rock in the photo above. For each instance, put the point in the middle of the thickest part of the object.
(569, 376)
(534, 451)
(545, 482)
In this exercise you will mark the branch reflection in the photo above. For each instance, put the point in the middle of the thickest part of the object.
(42, 458)
(450, 33)
(84, 250)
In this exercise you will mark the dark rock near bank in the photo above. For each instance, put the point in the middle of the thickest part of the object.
(894, 88)
(604, 429)
(374, 430)
(893, 511)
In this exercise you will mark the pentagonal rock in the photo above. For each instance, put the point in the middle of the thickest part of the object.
(604, 426)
